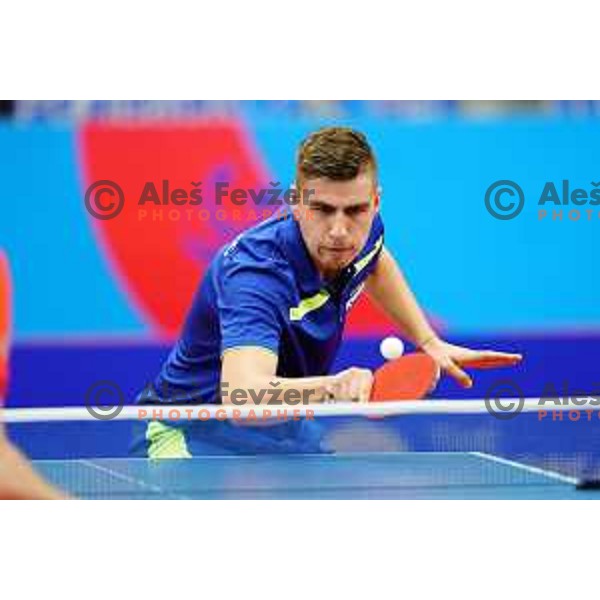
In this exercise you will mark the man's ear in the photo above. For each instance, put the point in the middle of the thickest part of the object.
(377, 197)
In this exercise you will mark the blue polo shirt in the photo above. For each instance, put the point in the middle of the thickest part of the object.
(264, 290)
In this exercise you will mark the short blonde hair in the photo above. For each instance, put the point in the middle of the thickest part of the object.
(337, 153)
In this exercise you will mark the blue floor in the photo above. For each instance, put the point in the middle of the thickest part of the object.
(378, 475)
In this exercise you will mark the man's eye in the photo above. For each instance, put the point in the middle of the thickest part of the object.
(327, 210)
(356, 210)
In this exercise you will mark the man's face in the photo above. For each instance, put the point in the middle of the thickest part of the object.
(335, 218)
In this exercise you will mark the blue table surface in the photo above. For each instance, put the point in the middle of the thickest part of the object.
(378, 475)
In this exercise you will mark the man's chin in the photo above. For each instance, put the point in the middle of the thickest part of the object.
(335, 267)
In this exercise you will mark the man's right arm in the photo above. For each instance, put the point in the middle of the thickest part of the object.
(249, 371)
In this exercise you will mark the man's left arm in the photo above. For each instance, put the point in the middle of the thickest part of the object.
(388, 287)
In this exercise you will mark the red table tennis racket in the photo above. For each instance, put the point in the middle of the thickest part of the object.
(409, 377)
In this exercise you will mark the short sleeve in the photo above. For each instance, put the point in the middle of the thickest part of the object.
(252, 302)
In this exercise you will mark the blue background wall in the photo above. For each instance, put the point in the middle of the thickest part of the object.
(521, 284)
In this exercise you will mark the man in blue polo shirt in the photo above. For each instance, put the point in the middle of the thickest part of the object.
(271, 310)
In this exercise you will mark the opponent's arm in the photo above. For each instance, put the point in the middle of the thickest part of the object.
(18, 480)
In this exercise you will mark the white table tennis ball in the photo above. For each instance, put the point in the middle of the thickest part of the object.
(391, 348)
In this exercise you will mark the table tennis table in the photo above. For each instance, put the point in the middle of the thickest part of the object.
(368, 475)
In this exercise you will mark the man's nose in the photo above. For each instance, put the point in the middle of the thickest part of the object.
(339, 227)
